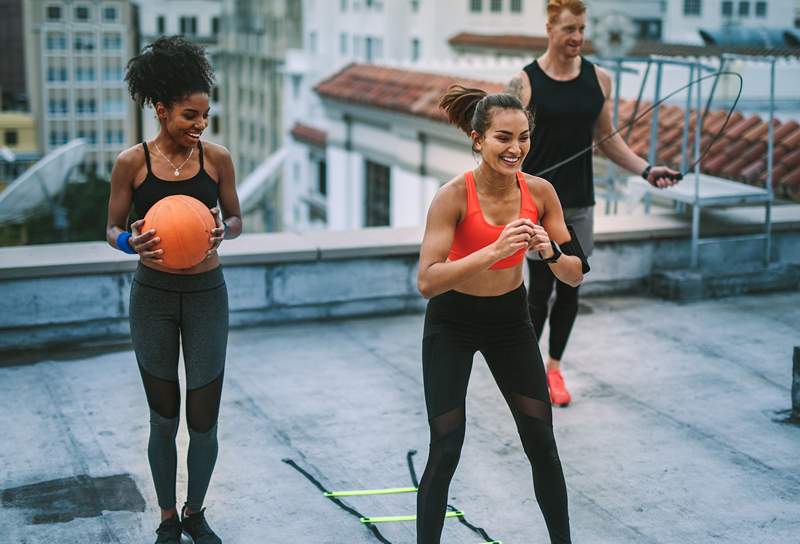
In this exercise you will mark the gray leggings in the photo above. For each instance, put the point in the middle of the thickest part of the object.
(167, 312)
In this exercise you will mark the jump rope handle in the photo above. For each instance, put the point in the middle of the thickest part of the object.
(675, 177)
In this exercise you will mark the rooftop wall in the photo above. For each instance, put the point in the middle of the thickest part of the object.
(71, 293)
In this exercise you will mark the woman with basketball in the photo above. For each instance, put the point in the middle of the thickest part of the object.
(168, 306)
(479, 226)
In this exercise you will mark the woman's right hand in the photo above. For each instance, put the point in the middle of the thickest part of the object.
(142, 242)
(515, 236)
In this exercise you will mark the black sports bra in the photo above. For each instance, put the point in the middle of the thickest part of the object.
(201, 186)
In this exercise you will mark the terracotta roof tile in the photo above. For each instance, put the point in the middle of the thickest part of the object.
(734, 132)
(785, 130)
(309, 134)
(750, 173)
(793, 139)
(755, 151)
(739, 153)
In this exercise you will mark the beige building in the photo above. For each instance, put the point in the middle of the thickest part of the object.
(76, 52)
(18, 131)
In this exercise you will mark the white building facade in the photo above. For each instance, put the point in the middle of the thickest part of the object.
(199, 21)
(685, 18)
(76, 52)
(397, 32)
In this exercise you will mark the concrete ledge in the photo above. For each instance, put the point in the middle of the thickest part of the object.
(57, 294)
(694, 285)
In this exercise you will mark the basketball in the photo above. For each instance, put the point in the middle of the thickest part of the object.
(184, 225)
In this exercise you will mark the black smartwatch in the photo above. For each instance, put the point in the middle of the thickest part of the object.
(646, 172)
(557, 253)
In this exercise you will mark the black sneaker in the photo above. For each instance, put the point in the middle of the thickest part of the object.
(169, 532)
(196, 527)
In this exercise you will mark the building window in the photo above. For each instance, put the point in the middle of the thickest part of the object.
(84, 42)
(692, 7)
(11, 137)
(516, 6)
(761, 9)
(84, 73)
(56, 106)
(56, 73)
(476, 6)
(214, 124)
(82, 13)
(56, 41)
(312, 42)
(322, 177)
(496, 6)
(343, 41)
(215, 26)
(110, 14)
(727, 8)
(161, 25)
(377, 198)
(53, 13)
(414, 6)
(85, 105)
(112, 42)
(744, 9)
(415, 49)
(374, 49)
(343, 5)
(648, 29)
(188, 26)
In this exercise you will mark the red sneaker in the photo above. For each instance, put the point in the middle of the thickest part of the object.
(559, 396)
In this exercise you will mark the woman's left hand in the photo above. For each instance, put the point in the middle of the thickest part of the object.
(217, 234)
(540, 241)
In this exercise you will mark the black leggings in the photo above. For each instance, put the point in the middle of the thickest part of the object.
(565, 307)
(456, 326)
(167, 312)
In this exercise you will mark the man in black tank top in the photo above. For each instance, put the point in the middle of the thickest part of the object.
(570, 99)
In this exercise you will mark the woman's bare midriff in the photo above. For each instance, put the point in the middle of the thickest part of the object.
(491, 283)
(209, 264)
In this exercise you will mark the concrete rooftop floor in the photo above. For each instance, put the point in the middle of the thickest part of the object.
(674, 435)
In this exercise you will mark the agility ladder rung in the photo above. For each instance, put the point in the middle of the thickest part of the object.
(392, 519)
(363, 492)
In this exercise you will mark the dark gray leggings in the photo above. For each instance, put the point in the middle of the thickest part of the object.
(167, 312)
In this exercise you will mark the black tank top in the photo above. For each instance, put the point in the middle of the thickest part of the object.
(201, 186)
(566, 112)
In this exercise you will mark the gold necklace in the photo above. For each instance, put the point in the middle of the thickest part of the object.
(177, 168)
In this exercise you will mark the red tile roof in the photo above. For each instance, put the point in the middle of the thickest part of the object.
(404, 91)
(309, 134)
(738, 154)
(526, 44)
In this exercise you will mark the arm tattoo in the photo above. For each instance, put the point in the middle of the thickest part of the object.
(514, 87)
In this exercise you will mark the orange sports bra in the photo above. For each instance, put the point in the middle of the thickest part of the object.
(474, 232)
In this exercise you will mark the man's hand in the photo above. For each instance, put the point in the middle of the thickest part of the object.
(663, 177)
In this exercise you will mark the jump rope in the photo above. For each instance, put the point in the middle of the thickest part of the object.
(633, 121)
(410, 455)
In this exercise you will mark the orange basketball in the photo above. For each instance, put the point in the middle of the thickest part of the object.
(184, 225)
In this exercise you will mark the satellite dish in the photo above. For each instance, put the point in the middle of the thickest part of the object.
(40, 183)
(613, 35)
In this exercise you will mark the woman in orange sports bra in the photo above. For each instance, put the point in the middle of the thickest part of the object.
(479, 226)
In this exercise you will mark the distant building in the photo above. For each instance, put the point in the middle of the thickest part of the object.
(199, 21)
(18, 145)
(75, 53)
(12, 65)
(686, 18)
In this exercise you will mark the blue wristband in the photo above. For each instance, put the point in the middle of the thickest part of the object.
(122, 243)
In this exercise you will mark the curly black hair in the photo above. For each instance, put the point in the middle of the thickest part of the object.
(167, 70)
